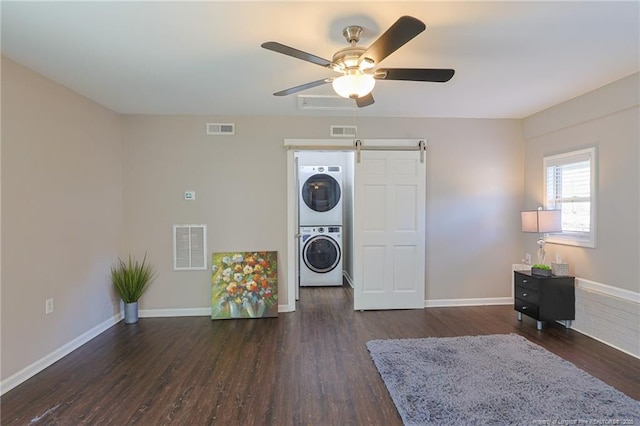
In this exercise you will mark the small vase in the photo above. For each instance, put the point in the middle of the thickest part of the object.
(256, 310)
(131, 313)
(234, 310)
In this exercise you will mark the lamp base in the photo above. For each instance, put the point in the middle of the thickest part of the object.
(541, 252)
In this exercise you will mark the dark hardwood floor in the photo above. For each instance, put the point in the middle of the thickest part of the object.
(309, 367)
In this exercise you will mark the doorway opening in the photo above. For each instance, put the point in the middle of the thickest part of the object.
(325, 217)
(382, 224)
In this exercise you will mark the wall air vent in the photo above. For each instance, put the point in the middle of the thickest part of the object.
(189, 247)
(344, 131)
(221, 129)
(319, 102)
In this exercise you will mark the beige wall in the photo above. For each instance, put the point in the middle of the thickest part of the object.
(474, 195)
(609, 119)
(61, 215)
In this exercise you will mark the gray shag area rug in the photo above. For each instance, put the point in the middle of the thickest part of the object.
(494, 380)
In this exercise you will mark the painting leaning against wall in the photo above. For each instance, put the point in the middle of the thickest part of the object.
(244, 285)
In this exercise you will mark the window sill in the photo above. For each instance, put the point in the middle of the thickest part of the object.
(569, 241)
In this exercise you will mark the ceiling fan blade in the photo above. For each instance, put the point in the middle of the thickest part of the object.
(290, 51)
(302, 87)
(403, 30)
(414, 74)
(365, 100)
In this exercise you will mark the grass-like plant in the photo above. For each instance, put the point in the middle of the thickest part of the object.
(541, 266)
(131, 279)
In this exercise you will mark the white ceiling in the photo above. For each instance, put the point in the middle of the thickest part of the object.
(512, 59)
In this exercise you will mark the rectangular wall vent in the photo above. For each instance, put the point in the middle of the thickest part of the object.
(189, 247)
(344, 131)
(221, 129)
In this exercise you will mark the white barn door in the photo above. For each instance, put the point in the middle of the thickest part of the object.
(389, 230)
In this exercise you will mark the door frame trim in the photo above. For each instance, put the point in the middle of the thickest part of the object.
(293, 145)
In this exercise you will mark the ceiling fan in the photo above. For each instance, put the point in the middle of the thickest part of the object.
(358, 64)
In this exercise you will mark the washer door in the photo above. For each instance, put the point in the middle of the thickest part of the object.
(321, 254)
(321, 192)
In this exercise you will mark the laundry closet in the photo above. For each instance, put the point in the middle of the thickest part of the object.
(381, 239)
(325, 217)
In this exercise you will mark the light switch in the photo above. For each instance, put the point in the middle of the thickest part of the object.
(190, 195)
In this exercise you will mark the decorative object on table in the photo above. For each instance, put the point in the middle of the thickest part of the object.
(244, 285)
(496, 379)
(560, 269)
(542, 270)
(130, 280)
(541, 222)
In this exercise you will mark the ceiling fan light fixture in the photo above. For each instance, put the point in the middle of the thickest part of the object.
(366, 64)
(353, 85)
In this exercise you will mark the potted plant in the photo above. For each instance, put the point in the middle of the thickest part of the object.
(540, 269)
(130, 280)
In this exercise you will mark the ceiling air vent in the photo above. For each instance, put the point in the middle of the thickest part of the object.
(221, 129)
(344, 131)
(320, 102)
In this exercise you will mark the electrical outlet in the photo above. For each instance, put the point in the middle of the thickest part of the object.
(48, 306)
(527, 258)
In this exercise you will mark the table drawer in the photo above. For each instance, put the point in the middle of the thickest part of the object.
(526, 281)
(526, 294)
(526, 308)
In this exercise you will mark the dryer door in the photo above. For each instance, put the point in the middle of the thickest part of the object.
(321, 192)
(321, 254)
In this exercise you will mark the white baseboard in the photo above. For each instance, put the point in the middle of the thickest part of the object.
(186, 312)
(287, 308)
(179, 312)
(443, 303)
(31, 370)
(347, 277)
(605, 342)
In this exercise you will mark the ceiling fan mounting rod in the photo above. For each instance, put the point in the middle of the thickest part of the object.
(352, 33)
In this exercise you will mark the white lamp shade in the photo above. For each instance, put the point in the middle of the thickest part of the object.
(529, 221)
(549, 221)
(353, 85)
(541, 221)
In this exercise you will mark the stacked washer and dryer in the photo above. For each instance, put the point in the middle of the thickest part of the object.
(320, 219)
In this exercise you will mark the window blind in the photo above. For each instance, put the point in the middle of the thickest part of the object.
(569, 187)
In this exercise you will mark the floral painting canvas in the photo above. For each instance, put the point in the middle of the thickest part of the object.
(244, 285)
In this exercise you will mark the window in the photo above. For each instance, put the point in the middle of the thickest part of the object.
(570, 187)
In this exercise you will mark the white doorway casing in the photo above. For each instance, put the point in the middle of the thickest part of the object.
(408, 154)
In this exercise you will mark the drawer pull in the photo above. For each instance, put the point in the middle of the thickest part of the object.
(524, 294)
(525, 281)
(524, 308)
